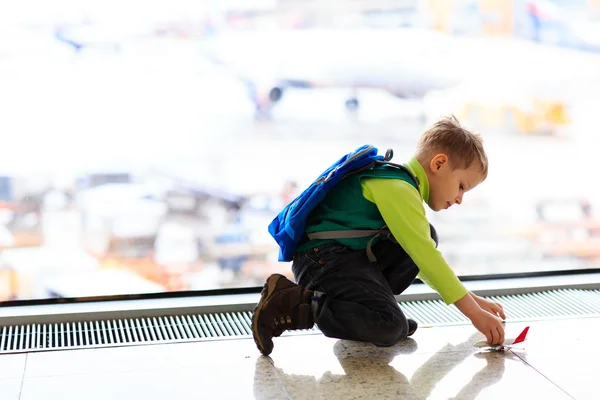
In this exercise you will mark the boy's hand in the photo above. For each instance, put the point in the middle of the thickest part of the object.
(490, 325)
(485, 322)
(489, 306)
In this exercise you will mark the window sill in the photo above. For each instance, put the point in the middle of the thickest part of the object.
(244, 302)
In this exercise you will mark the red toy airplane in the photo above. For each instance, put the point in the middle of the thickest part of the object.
(507, 345)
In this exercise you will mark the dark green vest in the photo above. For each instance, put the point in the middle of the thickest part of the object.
(345, 208)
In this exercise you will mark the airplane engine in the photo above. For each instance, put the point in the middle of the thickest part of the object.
(264, 97)
(274, 94)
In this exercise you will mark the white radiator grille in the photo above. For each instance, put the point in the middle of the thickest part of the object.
(564, 303)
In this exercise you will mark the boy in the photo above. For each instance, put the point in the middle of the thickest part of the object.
(347, 285)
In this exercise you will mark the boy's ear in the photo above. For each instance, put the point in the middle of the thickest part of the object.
(438, 161)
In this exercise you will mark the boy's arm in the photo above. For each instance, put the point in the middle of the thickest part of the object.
(402, 209)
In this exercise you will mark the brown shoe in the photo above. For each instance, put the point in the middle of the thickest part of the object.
(283, 306)
(412, 326)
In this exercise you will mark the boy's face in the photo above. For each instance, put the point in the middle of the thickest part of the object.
(447, 186)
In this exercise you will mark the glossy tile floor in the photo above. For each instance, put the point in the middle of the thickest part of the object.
(559, 362)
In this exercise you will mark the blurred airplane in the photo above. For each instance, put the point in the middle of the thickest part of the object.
(564, 26)
(88, 35)
(406, 62)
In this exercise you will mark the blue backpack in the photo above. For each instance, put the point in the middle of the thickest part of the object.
(288, 227)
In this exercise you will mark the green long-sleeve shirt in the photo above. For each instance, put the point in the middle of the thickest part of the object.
(401, 207)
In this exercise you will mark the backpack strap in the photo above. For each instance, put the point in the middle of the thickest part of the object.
(386, 161)
(359, 233)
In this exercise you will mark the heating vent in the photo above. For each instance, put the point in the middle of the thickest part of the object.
(565, 303)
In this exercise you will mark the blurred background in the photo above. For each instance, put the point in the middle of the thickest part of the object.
(146, 145)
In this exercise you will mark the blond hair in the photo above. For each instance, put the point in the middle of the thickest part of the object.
(459, 144)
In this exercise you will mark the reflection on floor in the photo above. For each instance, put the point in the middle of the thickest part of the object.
(437, 363)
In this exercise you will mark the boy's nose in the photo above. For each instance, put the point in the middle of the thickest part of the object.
(458, 199)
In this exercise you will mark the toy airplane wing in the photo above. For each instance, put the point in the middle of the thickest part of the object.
(508, 343)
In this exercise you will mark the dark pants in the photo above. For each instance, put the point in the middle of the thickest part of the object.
(356, 296)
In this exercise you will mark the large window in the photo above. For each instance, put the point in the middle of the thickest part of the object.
(146, 147)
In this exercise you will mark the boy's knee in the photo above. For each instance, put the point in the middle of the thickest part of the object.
(392, 338)
(434, 235)
(393, 333)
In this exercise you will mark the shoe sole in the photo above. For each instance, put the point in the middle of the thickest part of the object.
(265, 293)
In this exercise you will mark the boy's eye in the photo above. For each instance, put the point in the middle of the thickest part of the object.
(461, 187)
